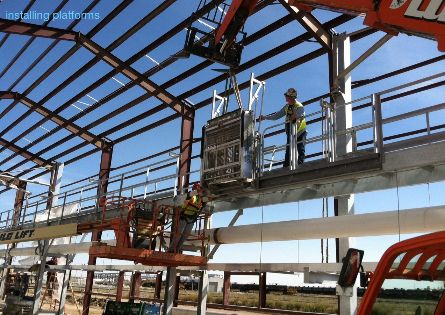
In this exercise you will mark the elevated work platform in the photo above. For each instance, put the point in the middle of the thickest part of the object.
(419, 162)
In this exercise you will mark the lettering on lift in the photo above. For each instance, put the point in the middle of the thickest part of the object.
(17, 235)
(435, 11)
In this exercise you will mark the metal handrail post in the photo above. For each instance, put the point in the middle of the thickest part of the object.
(146, 182)
(378, 122)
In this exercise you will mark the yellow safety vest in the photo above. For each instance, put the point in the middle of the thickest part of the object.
(289, 111)
(192, 205)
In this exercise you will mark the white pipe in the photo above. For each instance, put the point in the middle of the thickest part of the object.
(63, 249)
(418, 220)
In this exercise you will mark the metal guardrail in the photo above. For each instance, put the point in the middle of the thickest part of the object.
(86, 197)
(329, 133)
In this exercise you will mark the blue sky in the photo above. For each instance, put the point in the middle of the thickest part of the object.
(311, 80)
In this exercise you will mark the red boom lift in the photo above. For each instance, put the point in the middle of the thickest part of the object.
(423, 18)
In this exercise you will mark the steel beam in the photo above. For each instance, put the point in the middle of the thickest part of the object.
(176, 291)
(332, 23)
(102, 187)
(134, 75)
(8, 26)
(152, 71)
(18, 206)
(226, 288)
(185, 148)
(262, 290)
(311, 24)
(22, 28)
(135, 287)
(24, 153)
(57, 119)
(158, 286)
(203, 292)
(120, 285)
(270, 73)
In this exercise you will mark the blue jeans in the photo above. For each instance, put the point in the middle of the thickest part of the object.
(301, 139)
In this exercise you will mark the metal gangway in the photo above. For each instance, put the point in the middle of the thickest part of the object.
(371, 140)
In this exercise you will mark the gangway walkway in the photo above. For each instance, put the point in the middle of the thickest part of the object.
(374, 164)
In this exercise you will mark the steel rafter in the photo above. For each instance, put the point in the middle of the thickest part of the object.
(8, 26)
(26, 9)
(26, 154)
(31, 40)
(178, 28)
(281, 22)
(22, 28)
(300, 39)
(59, 120)
(59, 62)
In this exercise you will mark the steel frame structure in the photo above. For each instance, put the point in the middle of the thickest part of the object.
(322, 32)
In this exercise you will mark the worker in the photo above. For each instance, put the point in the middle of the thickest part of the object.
(191, 208)
(293, 111)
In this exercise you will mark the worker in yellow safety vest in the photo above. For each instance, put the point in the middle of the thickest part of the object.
(193, 204)
(293, 111)
(190, 210)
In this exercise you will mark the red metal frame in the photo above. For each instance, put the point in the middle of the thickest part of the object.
(235, 8)
(427, 246)
(122, 229)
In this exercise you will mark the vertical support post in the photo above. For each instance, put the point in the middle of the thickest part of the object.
(377, 106)
(203, 292)
(343, 205)
(135, 287)
(18, 205)
(185, 152)
(54, 189)
(342, 93)
(226, 288)
(169, 291)
(158, 286)
(55, 184)
(102, 187)
(120, 285)
(185, 147)
(262, 290)
(65, 283)
(39, 279)
(176, 295)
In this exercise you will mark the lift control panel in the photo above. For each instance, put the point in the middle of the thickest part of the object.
(227, 150)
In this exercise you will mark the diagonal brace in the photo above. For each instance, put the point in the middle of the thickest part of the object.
(311, 24)
(59, 120)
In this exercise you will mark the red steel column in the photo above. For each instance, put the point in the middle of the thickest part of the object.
(226, 288)
(120, 285)
(176, 297)
(158, 286)
(185, 152)
(104, 174)
(262, 290)
(18, 205)
(185, 146)
(135, 287)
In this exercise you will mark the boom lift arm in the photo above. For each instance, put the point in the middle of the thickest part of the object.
(423, 18)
